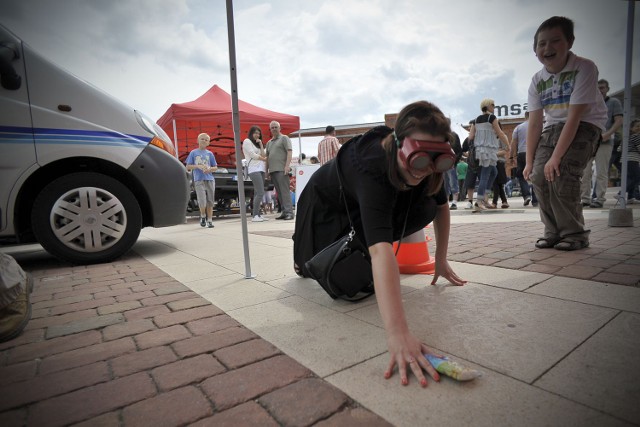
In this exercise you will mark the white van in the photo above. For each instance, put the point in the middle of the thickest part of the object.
(80, 173)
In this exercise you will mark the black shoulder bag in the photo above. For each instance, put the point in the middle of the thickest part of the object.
(343, 268)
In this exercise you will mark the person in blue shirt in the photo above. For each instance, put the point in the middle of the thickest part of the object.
(202, 163)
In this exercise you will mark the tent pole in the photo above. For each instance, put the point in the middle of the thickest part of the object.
(626, 108)
(175, 139)
(237, 138)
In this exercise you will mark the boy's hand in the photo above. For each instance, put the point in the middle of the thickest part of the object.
(552, 169)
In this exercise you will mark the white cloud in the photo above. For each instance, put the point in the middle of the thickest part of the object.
(330, 62)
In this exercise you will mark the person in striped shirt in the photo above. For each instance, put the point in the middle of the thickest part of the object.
(329, 146)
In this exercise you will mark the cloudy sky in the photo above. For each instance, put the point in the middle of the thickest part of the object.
(330, 62)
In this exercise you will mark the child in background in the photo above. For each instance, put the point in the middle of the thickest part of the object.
(566, 90)
(461, 171)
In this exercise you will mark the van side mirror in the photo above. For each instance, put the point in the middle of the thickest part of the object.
(9, 79)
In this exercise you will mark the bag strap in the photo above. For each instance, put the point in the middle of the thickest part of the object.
(344, 198)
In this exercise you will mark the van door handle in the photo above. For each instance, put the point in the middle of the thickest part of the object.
(64, 107)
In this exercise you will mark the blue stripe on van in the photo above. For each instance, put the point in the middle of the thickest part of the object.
(19, 135)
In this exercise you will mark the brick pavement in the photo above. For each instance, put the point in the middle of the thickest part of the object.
(613, 255)
(124, 344)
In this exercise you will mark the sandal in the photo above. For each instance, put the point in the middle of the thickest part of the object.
(570, 246)
(543, 243)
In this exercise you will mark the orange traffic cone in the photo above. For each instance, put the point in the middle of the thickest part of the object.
(413, 256)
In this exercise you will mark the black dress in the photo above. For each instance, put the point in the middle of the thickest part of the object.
(377, 208)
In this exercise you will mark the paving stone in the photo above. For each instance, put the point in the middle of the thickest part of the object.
(245, 414)
(188, 303)
(163, 299)
(61, 319)
(90, 402)
(304, 402)
(244, 353)
(119, 307)
(146, 312)
(185, 316)
(174, 408)
(45, 386)
(28, 336)
(240, 385)
(46, 348)
(172, 288)
(135, 296)
(142, 360)
(109, 419)
(13, 418)
(87, 355)
(113, 293)
(73, 298)
(125, 329)
(94, 303)
(578, 271)
(621, 279)
(82, 325)
(356, 417)
(211, 324)
(186, 371)
(162, 336)
(211, 342)
(18, 372)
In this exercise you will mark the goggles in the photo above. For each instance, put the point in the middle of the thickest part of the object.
(419, 155)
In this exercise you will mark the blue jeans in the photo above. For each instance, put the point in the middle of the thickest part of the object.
(487, 176)
(451, 182)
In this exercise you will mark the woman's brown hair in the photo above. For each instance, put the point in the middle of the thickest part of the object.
(250, 135)
(421, 116)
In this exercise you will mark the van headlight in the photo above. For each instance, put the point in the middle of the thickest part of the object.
(160, 139)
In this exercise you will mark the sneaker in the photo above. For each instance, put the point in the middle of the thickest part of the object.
(203, 221)
(469, 205)
(257, 218)
(632, 201)
(15, 316)
(288, 217)
(595, 205)
(527, 201)
(210, 224)
(505, 205)
(453, 206)
(585, 204)
(478, 207)
(263, 218)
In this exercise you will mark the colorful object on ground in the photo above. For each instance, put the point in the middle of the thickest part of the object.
(452, 369)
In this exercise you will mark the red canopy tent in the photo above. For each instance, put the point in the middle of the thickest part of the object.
(211, 113)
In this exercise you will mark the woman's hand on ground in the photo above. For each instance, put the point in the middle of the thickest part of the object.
(444, 269)
(407, 353)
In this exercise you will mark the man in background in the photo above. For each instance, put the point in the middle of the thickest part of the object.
(329, 146)
(603, 155)
(279, 154)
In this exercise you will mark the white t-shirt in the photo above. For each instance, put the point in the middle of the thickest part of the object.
(252, 154)
(577, 83)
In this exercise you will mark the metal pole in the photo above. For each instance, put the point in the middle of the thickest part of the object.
(237, 137)
(175, 139)
(626, 109)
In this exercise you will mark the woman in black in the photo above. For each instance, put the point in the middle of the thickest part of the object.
(383, 186)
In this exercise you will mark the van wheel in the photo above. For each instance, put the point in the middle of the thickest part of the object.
(86, 218)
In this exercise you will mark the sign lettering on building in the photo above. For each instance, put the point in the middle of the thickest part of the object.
(516, 110)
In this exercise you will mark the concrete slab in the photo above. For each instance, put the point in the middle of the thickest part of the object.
(305, 330)
(603, 372)
(603, 294)
(196, 269)
(492, 400)
(241, 293)
(496, 276)
(514, 333)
